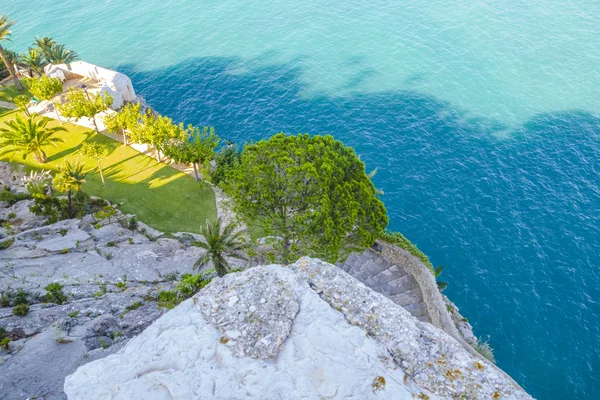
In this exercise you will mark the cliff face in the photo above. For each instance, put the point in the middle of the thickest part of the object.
(308, 330)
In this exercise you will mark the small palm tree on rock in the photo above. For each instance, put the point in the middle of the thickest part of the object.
(69, 178)
(30, 136)
(219, 244)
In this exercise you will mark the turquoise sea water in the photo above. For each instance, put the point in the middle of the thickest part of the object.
(482, 117)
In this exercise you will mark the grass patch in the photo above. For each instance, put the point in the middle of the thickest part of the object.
(161, 196)
(8, 93)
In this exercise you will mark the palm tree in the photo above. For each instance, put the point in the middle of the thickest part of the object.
(59, 55)
(30, 135)
(218, 245)
(45, 45)
(34, 59)
(5, 26)
(70, 177)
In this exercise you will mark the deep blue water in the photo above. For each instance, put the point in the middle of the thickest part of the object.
(514, 220)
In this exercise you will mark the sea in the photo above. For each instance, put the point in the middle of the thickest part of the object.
(482, 118)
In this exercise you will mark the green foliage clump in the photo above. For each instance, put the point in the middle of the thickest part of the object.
(311, 191)
(126, 119)
(106, 213)
(83, 104)
(4, 343)
(10, 198)
(55, 294)
(132, 223)
(121, 285)
(6, 244)
(186, 288)
(21, 310)
(225, 161)
(74, 314)
(45, 87)
(485, 350)
(399, 240)
(29, 136)
(156, 131)
(193, 146)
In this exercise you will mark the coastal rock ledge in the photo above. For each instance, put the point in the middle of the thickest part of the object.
(304, 331)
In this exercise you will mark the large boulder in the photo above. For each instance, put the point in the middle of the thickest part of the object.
(306, 331)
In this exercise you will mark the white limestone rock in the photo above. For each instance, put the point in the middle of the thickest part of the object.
(309, 331)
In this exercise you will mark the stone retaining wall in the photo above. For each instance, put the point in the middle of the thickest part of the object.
(432, 297)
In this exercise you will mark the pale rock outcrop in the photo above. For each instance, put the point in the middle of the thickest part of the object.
(307, 331)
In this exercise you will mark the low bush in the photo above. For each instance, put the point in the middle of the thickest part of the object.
(485, 350)
(6, 244)
(21, 309)
(10, 198)
(55, 294)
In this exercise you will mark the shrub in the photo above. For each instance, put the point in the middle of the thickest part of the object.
(111, 244)
(74, 314)
(21, 309)
(168, 299)
(107, 212)
(132, 223)
(485, 350)
(4, 343)
(121, 285)
(20, 297)
(6, 244)
(9, 197)
(55, 294)
(11, 215)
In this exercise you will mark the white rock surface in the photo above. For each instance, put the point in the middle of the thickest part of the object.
(309, 331)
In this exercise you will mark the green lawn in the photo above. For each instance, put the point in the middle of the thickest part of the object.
(10, 92)
(162, 197)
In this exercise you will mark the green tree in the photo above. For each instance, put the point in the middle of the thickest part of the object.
(95, 151)
(22, 103)
(70, 177)
(5, 33)
(81, 104)
(30, 136)
(34, 59)
(226, 160)
(194, 146)
(59, 55)
(312, 192)
(219, 244)
(126, 119)
(45, 44)
(155, 130)
(46, 88)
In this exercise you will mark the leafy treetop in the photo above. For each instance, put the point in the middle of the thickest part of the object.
(312, 191)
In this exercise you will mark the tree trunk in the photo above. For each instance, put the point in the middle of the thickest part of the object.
(95, 125)
(100, 169)
(11, 70)
(40, 156)
(157, 153)
(196, 171)
(56, 111)
(124, 136)
(69, 197)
